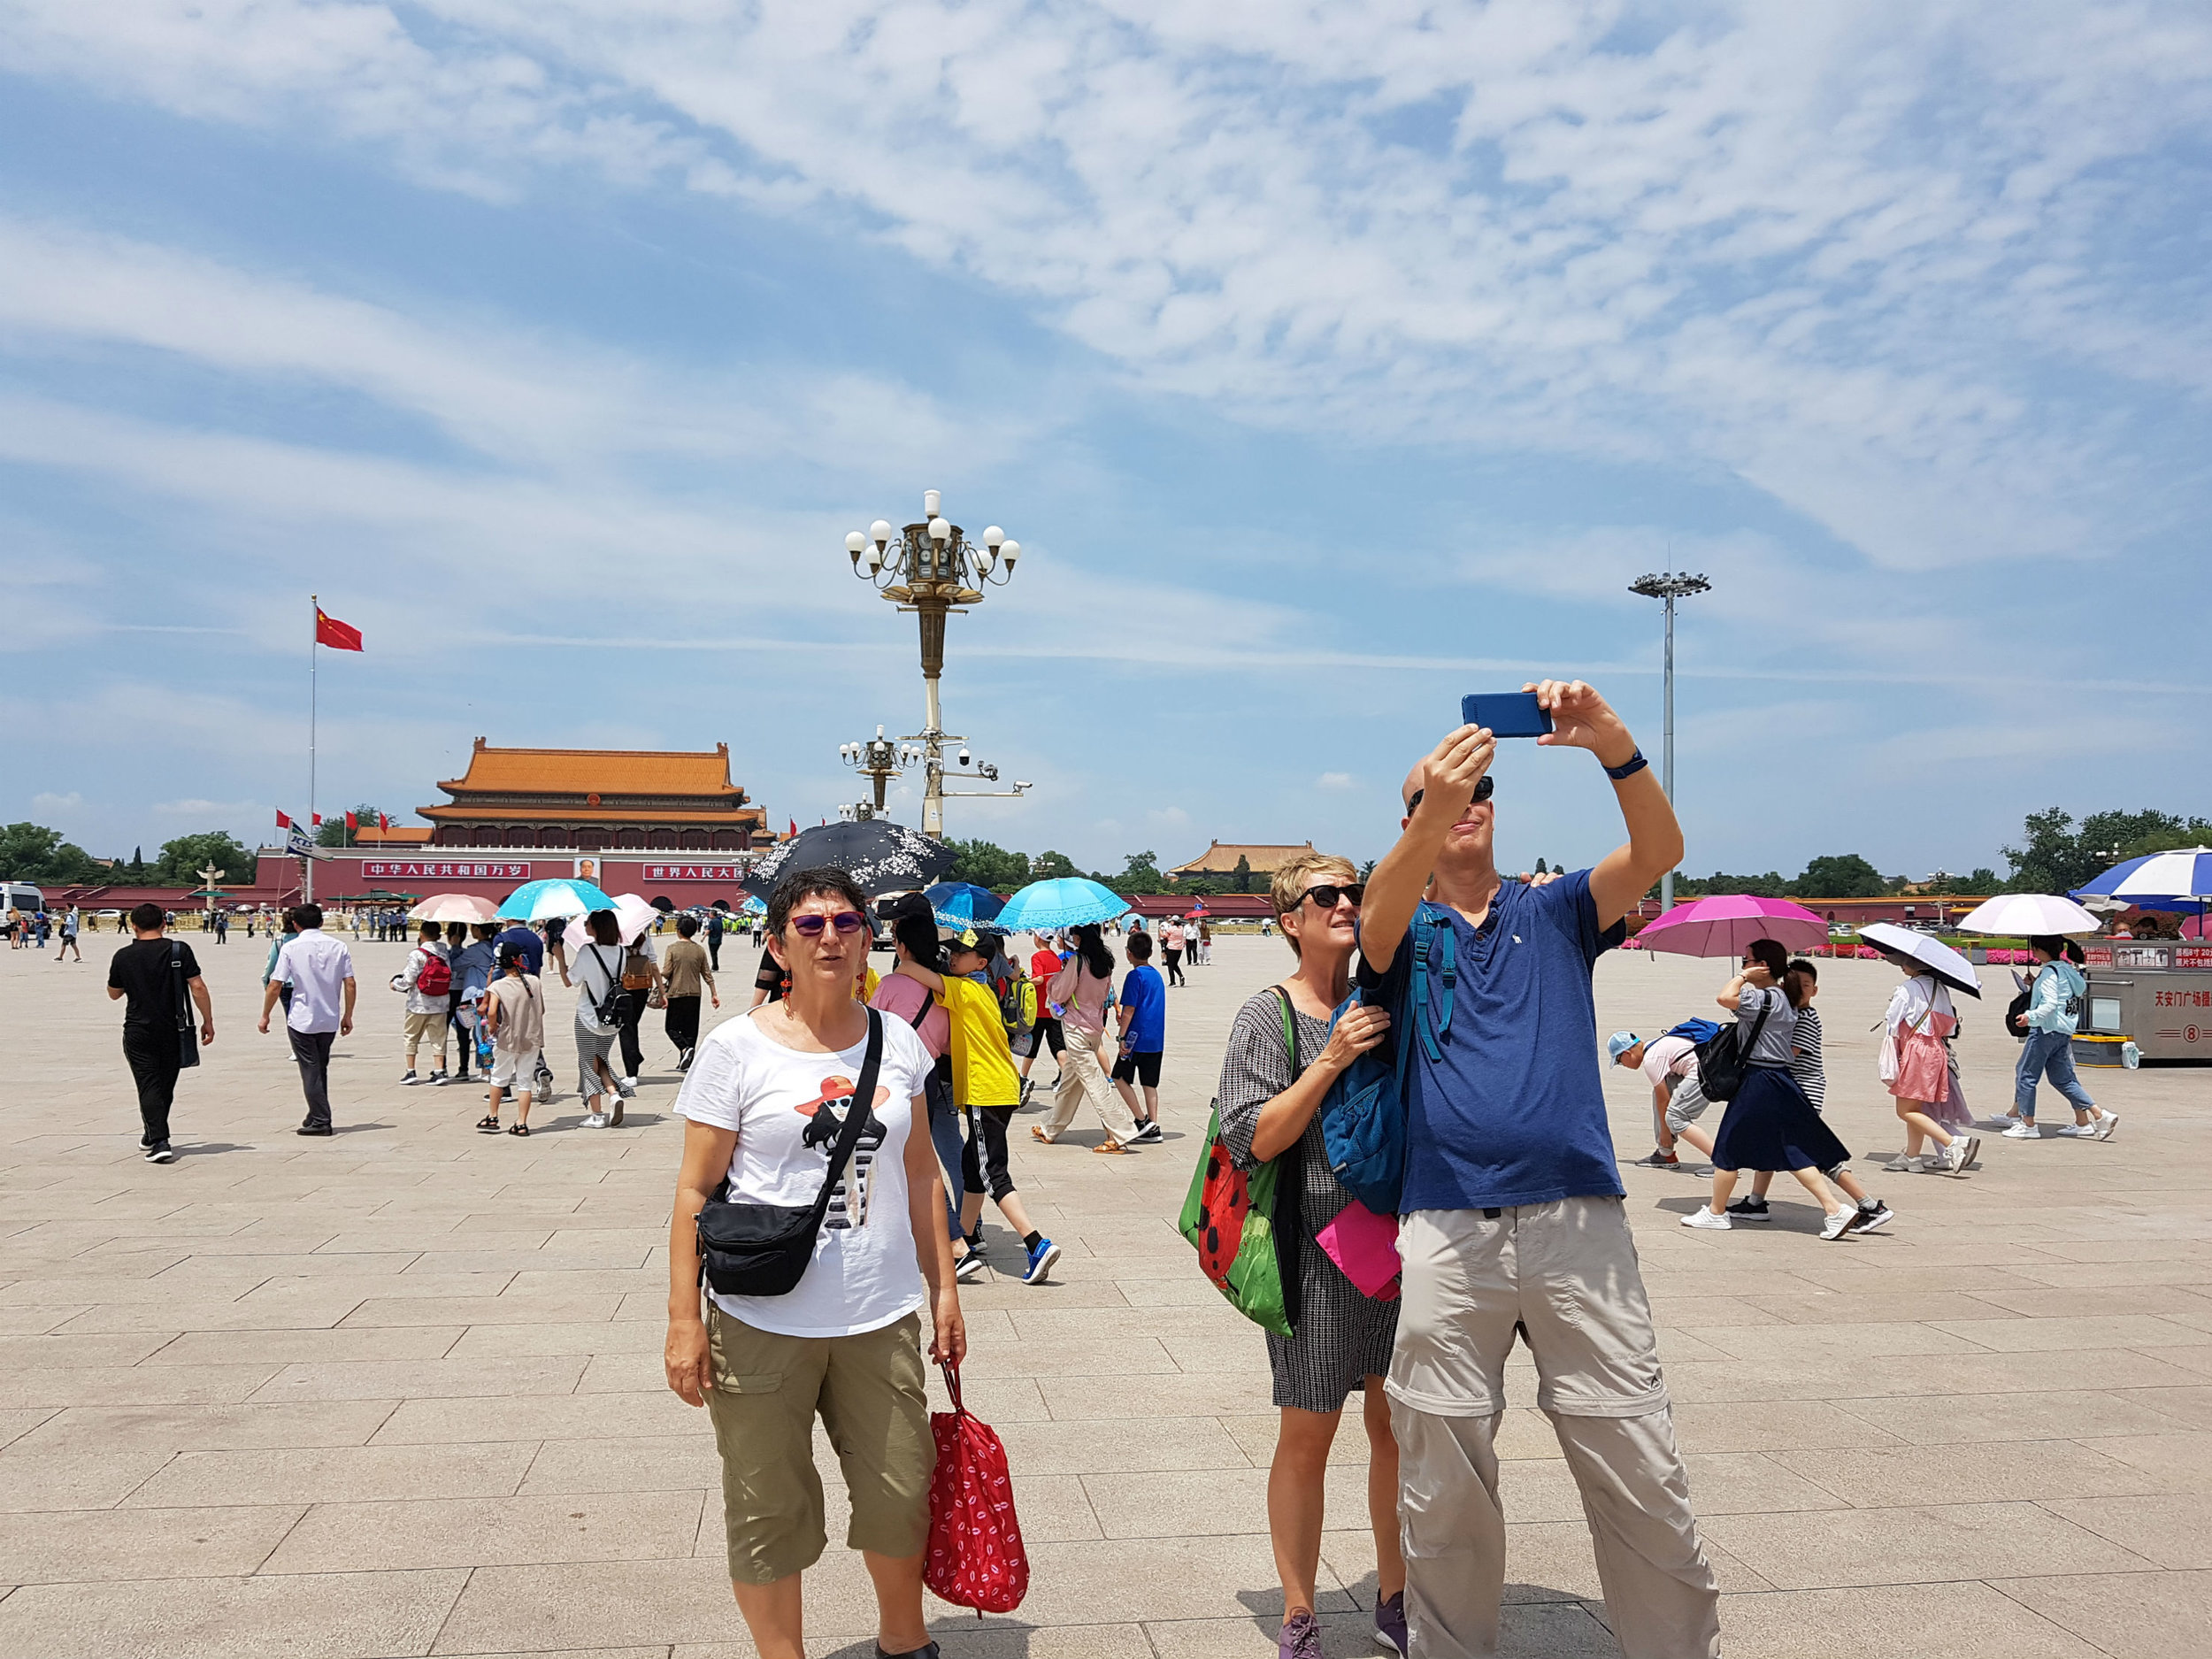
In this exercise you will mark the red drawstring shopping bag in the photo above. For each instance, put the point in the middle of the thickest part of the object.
(975, 1555)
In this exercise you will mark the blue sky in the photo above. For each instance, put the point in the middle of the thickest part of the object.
(1329, 362)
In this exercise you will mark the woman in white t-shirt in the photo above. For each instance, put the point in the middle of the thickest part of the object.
(845, 1342)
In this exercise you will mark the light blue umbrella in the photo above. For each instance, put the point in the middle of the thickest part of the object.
(753, 906)
(960, 905)
(561, 895)
(1064, 902)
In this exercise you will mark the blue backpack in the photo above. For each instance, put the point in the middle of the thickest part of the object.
(1698, 1031)
(1363, 1114)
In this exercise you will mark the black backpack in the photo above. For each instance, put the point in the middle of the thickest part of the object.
(1721, 1057)
(614, 1009)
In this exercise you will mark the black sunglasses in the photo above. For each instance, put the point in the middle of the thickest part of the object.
(844, 921)
(1486, 786)
(1329, 892)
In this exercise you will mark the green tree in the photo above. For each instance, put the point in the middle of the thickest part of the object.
(333, 832)
(1141, 873)
(1981, 879)
(32, 853)
(1839, 876)
(1242, 876)
(2058, 856)
(1051, 866)
(988, 864)
(1541, 866)
(1770, 886)
(1368, 869)
(181, 860)
(138, 866)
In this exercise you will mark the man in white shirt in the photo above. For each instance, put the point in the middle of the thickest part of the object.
(320, 969)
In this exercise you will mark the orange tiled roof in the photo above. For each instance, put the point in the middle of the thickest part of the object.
(463, 813)
(605, 770)
(398, 835)
(1220, 860)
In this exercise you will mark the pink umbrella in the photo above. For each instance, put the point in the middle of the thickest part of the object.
(1722, 925)
(454, 907)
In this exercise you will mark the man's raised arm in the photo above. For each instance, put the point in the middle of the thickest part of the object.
(1446, 783)
(1583, 720)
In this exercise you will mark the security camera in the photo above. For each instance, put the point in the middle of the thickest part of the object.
(964, 757)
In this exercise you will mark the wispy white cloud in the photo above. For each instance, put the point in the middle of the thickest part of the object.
(1825, 247)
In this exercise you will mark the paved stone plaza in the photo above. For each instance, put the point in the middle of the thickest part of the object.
(399, 1391)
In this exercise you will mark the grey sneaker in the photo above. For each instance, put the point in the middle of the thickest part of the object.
(1906, 1164)
(1300, 1638)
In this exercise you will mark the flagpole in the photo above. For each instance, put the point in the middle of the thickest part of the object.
(314, 649)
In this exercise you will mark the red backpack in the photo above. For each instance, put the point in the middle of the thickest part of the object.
(435, 976)
(975, 1556)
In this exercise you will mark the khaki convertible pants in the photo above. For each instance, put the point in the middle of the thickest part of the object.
(1565, 1274)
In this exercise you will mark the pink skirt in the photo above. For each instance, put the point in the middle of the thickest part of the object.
(1924, 1069)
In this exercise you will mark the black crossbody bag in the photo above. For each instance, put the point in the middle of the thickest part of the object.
(748, 1249)
(188, 1039)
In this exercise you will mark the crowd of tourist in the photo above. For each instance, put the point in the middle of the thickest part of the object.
(843, 1138)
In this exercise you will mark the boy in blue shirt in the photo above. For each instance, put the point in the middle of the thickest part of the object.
(1143, 1036)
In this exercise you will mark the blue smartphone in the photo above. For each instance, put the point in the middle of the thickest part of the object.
(1507, 713)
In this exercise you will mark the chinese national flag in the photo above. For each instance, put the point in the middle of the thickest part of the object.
(340, 636)
(794, 829)
(318, 819)
(352, 822)
(283, 822)
(382, 822)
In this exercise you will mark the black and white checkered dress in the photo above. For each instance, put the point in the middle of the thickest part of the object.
(1343, 1337)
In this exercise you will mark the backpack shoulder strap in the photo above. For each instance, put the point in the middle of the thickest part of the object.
(1290, 1032)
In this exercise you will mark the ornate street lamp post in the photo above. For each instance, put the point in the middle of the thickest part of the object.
(933, 570)
(1669, 586)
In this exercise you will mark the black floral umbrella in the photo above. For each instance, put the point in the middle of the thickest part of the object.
(882, 857)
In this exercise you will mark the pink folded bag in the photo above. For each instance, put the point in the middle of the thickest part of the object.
(1365, 1246)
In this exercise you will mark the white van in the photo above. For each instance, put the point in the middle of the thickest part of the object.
(21, 895)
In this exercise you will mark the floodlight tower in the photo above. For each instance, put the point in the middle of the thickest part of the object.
(1669, 586)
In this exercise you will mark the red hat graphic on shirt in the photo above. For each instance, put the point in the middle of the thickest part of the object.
(833, 1089)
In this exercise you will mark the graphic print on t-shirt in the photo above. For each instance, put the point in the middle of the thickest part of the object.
(848, 1199)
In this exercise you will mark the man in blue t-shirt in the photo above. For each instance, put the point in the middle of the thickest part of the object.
(1513, 1219)
(1143, 1036)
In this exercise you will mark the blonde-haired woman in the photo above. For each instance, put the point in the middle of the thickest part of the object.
(1270, 1098)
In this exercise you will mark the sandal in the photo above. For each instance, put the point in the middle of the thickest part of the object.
(1110, 1145)
(520, 1129)
(1040, 1134)
(488, 1124)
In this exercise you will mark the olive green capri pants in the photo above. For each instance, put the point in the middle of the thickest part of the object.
(868, 1391)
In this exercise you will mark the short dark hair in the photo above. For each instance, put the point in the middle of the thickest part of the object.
(431, 930)
(306, 916)
(2051, 945)
(1804, 966)
(815, 882)
(146, 917)
(687, 926)
(1140, 947)
(1769, 953)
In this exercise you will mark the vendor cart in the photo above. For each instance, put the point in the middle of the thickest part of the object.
(2159, 993)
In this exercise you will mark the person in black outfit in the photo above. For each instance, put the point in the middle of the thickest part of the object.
(156, 974)
(714, 941)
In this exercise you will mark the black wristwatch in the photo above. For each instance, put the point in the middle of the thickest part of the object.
(1628, 768)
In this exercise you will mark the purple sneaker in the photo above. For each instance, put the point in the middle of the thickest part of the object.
(1390, 1622)
(1300, 1638)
